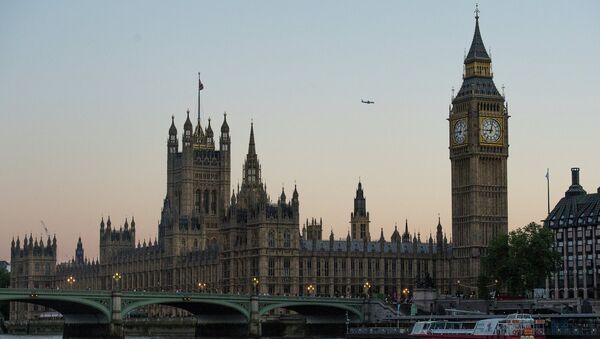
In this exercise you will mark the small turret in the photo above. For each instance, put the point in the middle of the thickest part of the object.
(172, 143)
(381, 237)
(439, 236)
(132, 224)
(224, 141)
(406, 234)
(173, 129)
(282, 197)
(79, 257)
(396, 235)
(209, 134)
(187, 133)
(108, 224)
(102, 225)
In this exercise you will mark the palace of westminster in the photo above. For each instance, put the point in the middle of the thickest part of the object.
(213, 238)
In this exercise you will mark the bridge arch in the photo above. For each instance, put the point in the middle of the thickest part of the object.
(301, 306)
(68, 306)
(192, 305)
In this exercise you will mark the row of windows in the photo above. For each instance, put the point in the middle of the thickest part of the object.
(357, 268)
(285, 270)
(569, 233)
(206, 200)
(287, 239)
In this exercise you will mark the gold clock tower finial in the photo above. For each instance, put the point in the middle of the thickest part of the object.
(476, 11)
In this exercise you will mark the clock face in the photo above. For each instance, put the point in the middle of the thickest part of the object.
(490, 130)
(460, 131)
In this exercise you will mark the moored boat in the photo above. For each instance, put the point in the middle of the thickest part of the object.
(514, 326)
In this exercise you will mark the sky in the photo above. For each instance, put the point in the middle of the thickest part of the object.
(87, 90)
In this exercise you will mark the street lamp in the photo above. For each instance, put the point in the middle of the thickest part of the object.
(71, 281)
(310, 289)
(255, 282)
(366, 287)
(201, 286)
(405, 292)
(116, 277)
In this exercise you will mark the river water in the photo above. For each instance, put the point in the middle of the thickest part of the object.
(11, 336)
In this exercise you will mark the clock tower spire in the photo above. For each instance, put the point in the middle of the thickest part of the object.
(478, 120)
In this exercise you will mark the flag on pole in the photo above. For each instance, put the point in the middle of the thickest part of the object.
(200, 85)
(547, 173)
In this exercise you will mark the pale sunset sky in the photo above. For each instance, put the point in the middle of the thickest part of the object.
(87, 90)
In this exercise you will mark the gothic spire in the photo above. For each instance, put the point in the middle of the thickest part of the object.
(477, 50)
(251, 145)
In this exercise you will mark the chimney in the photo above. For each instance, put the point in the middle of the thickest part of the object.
(575, 188)
(575, 176)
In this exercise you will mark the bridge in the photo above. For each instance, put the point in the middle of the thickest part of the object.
(102, 312)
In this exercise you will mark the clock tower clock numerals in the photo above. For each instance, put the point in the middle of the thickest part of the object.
(490, 130)
(460, 131)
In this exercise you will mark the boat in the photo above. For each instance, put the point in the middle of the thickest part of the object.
(514, 326)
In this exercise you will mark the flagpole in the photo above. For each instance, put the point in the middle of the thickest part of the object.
(199, 89)
(548, 187)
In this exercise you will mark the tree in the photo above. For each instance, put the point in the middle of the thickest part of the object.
(521, 260)
(4, 282)
(4, 278)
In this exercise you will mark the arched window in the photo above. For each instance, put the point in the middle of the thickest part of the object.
(271, 238)
(195, 243)
(287, 239)
(213, 202)
(205, 201)
(197, 198)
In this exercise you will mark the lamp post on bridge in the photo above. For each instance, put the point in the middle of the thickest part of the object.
(71, 280)
(202, 287)
(255, 283)
(367, 287)
(310, 289)
(116, 278)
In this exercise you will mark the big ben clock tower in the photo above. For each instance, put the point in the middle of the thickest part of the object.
(478, 120)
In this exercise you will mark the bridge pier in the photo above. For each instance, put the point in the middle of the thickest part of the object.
(254, 328)
(116, 322)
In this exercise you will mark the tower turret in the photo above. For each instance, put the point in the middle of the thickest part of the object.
(359, 219)
(296, 204)
(79, 257)
(252, 175)
(187, 132)
(396, 235)
(439, 235)
(406, 234)
(210, 140)
(225, 169)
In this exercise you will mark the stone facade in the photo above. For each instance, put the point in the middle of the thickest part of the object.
(33, 265)
(256, 245)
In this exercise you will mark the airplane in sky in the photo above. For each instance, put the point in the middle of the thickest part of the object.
(367, 101)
